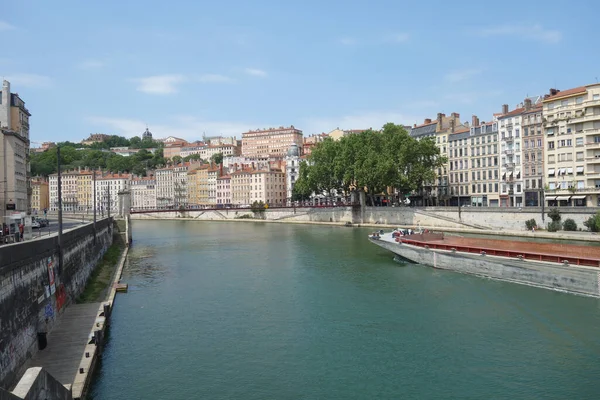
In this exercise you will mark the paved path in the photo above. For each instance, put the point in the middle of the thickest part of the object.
(66, 342)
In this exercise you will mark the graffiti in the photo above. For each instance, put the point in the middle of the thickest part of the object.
(15, 351)
(51, 275)
(48, 311)
(61, 297)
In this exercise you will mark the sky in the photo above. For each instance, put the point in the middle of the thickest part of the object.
(188, 68)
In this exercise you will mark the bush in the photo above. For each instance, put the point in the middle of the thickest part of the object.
(554, 215)
(554, 226)
(530, 224)
(569, 225)
(593, 223)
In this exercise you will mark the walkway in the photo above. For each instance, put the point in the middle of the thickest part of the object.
(66, 342)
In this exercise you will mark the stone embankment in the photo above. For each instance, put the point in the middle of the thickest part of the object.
(35, 289)
(489, 221)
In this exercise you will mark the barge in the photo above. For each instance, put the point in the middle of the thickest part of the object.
(562, 267)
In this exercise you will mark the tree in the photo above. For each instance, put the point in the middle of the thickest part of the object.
(192, 157)
(593, 222)
(554, 215)
(217, 158)
(302, 188)
(569, 225)
(177, 159)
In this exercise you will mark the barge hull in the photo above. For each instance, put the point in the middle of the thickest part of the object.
(566, 278)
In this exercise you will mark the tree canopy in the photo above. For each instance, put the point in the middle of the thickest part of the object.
(217, 158)
(372, 161)
(45, 163)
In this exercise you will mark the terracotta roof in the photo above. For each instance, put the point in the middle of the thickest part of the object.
(516, 111)
(566, 93)
(536, 108)
(225, 177)
(462, 130)
(429, 123)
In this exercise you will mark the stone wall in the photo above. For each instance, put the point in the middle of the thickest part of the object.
(34, 289)
(437, 217)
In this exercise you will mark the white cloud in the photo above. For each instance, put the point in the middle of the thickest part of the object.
(256, 72)
(29, 80)
(159, 84)
(462, 75)
(533, 32)
(363, 120)
(5, 26)
(348, 41)
(91, 64)
(399, 37)
(186, 127)
(213, 78)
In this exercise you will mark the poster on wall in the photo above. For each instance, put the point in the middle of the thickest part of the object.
(51, 276)
(47, 290)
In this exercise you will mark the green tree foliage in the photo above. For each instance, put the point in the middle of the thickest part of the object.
(371, 160)
(73, 156)
(569, 225)
(192, 157)
(530, 224)
(554, 226)
(593, 222)
(302, 188)
(554, 215)
(217, 158)
(176, 159)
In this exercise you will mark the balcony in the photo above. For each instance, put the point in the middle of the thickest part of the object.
(593, 159)
(509, 125)
(508, 152)
(508, 139)
(509, 166)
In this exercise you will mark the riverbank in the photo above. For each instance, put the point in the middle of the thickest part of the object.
(560, 235)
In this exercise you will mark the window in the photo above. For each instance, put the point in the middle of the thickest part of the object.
(551, 159)
(596, 97)
(569, 142)
(579, 100)
(579, 141)
(550, 145)
(579, 156)
(564, 103)
(516, 132)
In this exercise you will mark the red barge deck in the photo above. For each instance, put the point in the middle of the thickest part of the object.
(547, 252)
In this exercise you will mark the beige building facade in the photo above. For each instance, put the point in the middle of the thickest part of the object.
(15, 187)
(224, 190)
(571, 128)
(270, 143)
(143, 193)
(39, 195)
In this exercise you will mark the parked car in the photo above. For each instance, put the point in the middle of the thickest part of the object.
(35, 224)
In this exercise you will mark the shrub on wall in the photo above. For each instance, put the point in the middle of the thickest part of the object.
(554, 226)
(569, 225)
(593, 223)
(530, 224)
(554, 215)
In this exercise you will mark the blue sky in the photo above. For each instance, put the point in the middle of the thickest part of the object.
(188, 67)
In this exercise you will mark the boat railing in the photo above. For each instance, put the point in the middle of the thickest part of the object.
(521, 255)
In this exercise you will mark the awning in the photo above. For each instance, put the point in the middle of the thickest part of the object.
(563, 198)
(563, 171)
(578, 197)
(551, 172)
(579, 169)
(550, 198)
(570, 171)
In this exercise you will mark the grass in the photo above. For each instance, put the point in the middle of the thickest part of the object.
(101, 277)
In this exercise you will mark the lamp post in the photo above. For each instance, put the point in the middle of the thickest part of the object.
(60, 221)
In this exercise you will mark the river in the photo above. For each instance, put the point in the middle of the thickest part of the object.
(222, 310)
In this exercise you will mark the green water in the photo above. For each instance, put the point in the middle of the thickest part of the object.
(274, 311)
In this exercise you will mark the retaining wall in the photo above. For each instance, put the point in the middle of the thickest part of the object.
(438, 217)
(34, 290)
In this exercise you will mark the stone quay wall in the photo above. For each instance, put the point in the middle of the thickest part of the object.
(34, 290)
(433, 217)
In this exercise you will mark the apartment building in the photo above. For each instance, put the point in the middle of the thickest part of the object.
(40, 200)
(511, 157)
(15, 189)
(250, 184)
(224, 190)
(85, 190)
(192, 189)
(213, 173)
(571, 125)
(69, 181)
(270, 143)
(180, 184)
(338, 133)
(202, 185)
(143, 193)
(437, 193)
(108, 188)
(311, 141)
(292, 169)
(533, 153)
(165, 193)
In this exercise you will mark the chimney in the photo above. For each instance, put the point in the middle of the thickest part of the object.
(474, 120)
(427, 121)
(439, 118)
(554, 92)
(452, 125)
(455, 116)
(504, 108)
(527, 104)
